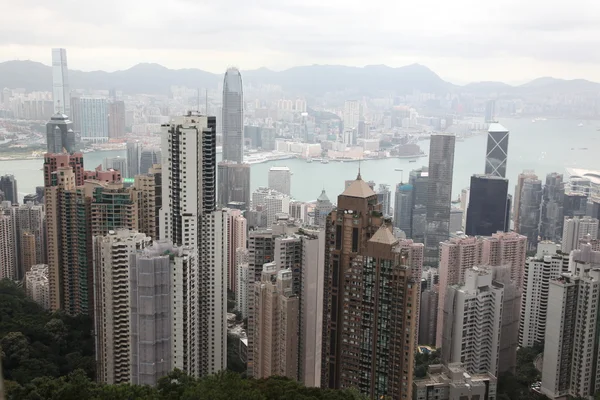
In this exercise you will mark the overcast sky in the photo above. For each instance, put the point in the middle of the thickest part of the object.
(461, 40)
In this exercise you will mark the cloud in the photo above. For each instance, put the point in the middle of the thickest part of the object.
(279, 33)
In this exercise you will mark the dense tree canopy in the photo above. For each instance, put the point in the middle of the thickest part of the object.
(36, 343)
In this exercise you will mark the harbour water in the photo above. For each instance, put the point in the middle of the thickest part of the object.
(543, 146)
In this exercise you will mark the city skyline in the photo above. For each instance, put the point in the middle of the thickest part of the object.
(449, 43)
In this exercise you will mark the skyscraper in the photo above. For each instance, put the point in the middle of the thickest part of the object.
(384, 196)
(322, 209)
(552, 207)
(280, 179)
(29, 223)
(497, 151)
(8, 186)
(116, 119)
(148, 157)
(61, 93)
(236, 239)
(575, 229)
(403, 208)
(8, 257)
(94, 119)
(233, 184)
(419, 180)
(134, 153)
(527, 174)
(59, 134)
(189, 217)
(362, 246)
(439, 194)
(529, 211)
(233, 117)
(488, 205)
(147, 192)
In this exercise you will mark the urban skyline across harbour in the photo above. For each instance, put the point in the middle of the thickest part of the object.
(532, 146)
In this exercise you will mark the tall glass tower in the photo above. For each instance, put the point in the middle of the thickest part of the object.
(61, 94)
(233, 116)
(497, 150)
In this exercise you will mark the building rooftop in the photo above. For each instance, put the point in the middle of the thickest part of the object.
(384, 236)
(279, 169)
(359, 188)
(496, 127)
(323, 196)
(591, 175)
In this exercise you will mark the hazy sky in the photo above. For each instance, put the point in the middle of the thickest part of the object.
(461, 40)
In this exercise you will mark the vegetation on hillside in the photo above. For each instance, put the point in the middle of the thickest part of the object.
(518, 386)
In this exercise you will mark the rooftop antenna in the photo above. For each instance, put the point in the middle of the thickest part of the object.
(359, 177)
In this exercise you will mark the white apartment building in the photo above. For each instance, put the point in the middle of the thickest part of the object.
(453, 382)
(473, 321)
(36, 285)
(570, 351)
(243, 282)
(236, 239)
(575, 229)
(280, 180)
(112, 303)
(540, 270)
(352, 114)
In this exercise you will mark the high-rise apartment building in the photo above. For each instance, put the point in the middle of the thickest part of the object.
(419, 180)
(236, 239)
(8, 256)
(497, 151)
(112, 292)
(362, 254)
(134, 153)
(8, 186)
(529, 211)
(29, 224)
(189, 218)
(457, 255)
(61, 94)
(428, 307)
(507, 249)
(60, 136)
(384, 196)
(489, 207)
(276, 315)
(551, 223)
(116, 119)
(439, 194)
(242, 269)
(527, 174)
(575, 229)
(273, 202)
(403, 208)
(94, 119)
(36, 285)
(546, 266)
(472, 322)
(352, 114)
(280, 179)
(570, 349)
(147, 193)
(233, 117)
(112, 208)
(233, 184)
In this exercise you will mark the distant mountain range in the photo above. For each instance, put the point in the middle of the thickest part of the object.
(306, 80)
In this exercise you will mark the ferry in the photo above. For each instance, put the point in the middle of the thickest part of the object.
(325, 161)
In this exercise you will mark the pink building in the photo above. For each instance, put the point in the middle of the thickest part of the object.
(236, 237)
(507, 248)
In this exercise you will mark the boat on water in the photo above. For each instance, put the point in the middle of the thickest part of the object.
(580, 124)
(412, 161)
(325, 161)
(309, 160)
(398, 169)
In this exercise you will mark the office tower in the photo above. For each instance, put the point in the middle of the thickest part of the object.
(75, 113)
(189, 218)
(570, 348)
(236, 239)
(439, 193)
(116, 163)
(352, 114)
(428, 308)
(148, 157)
(419, 180)
(233, 117)
(526, 174)
(464, 205)
(8, 256)
(497, 151)
(361, 230)
(457, 255)
(453, 382)
(243, 281)
(29, 224)
(456, 218)
(36, 285)
(147, 192)
(94, 119)
(134, 153)
(472, 322)
(574, 204)
(552, 208)
(234, 184)
(546, 266)
(276, 311)
(61, 95)
(403, 208)
(507, 248)
(280, 179)
(322, 209)
(8, 186)
(490, 111)
(488, 206)
(112, 303)
(112, 208)
(116, 119)
(60, 136)
(529, 211)
(273, 202)
(575, 229)
(384, 196)
(299, 211)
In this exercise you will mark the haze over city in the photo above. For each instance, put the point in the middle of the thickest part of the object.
(463, 41)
